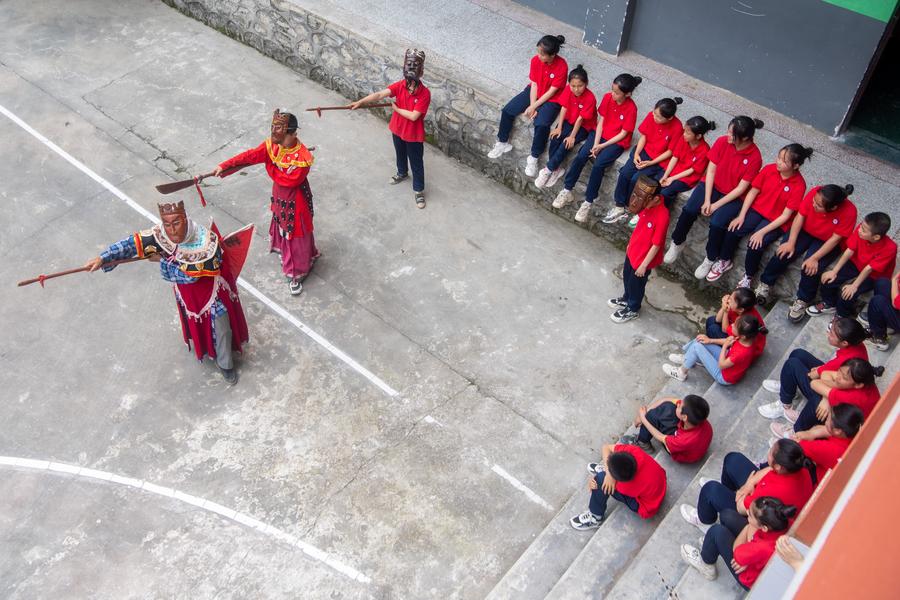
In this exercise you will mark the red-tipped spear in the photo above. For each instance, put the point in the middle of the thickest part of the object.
(318, 109)
(42, 278)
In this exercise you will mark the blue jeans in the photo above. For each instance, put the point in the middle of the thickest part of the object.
(597, 505)
(629, 174)
(831, 292)
(708, 354)
(546, 114)
(719, 541)
(806, 245)
(882, 313)
(558, 150)
(718, 496)
(671, 191)
(690, 211)
(718, 227)
(410, 157)
(606, 157)
(634, 286)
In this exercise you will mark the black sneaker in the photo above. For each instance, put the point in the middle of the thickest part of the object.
(398, 178)
(420, 199)
(623, 315)
(595, 468)
(229, 375)
(617, 302)
(863, 318)
(629, 439)
(296, 287)
(585, 521)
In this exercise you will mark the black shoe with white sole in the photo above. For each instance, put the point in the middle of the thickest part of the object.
(617, 302)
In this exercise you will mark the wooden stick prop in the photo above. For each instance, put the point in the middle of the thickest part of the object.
(175, 186)
(42, 278)
(319, 109)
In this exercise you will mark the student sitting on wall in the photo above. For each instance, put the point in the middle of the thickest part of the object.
(725, 360)
(681, 426)
(629, 475)
(745, 548)
(826, 444)
(884, 311)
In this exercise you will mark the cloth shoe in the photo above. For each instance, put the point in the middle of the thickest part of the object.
(782, 430)
(772, 385)
(673, 253)
(797, 311)
(583, 212)
(689, 513)
(616, 213)
(691, 556)
(543, 176)
(772, 410)
(791, 415)
(819, 309)
(617, 302)
(595, 468)
(420, 199)
(703, 269)
(762, 293)
(554, 177)
(745, 282)
(585, 521)
(623, 315)
(879, 343)
(675, 372)
(563, 198)
(863, 318)
(676, 358)
(229, 375)
(719, 268)
(296, 287)
(531, 168)
(398, 178)
(499, 149)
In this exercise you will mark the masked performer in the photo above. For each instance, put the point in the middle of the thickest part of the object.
(190, 256)
(408, 121)
(287, 163)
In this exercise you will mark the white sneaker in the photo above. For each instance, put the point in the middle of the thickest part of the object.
(690, 515)
(542, 178)
(675, 372)
(554, 177)
(705, 480)
(583, 212)
(563, 198)
(762, 293)
(772, 385)
(531, 168)
(678, 359)
(691, 556)
(772, 410)
(781, 430)
(616, 213)
(499, 149)
(673, 253)
(633, 221)
(703, 270)
(719, 268)
(746, 281)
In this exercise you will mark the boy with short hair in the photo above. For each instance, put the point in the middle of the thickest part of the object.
(869, 255)
(629, 475)
(679, 425)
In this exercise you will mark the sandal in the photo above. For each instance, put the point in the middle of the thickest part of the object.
(420, 199)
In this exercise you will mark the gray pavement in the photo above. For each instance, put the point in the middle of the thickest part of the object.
(487, 315)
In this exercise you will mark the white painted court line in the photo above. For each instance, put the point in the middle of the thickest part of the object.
(167, 492)
(274, 306)
(529, 493)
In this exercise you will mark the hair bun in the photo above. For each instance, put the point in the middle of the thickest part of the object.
(637, 80)
(562, 39)
(788, 511)
(879, 371)
(758, 124)
(579, 66)
(678, 100)
(807, 152)
(712, 125)
(848, 189)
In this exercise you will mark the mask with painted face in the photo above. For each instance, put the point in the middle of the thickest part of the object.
(282, 125)
(413, 65)
(174, 221)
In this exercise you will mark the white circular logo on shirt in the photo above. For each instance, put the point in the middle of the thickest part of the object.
(621, 117)
(787, 188)
(694, 159)
(834, 222)
(581, 106)
(415, 100)
(746, 161)
(552, 75)
(649, 224)
(667, 138)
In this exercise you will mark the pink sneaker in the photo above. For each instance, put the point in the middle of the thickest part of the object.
(791, 414)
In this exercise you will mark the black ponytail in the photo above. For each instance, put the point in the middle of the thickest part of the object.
(579, 73)
(627, 82)
(850, 331)
(790, 457)
(699, 125)
(773, 513)
(862, 371)
(551, 44)
(744, 127)
(667, 107)
(748, 326)
(797, 154)
(834, 195)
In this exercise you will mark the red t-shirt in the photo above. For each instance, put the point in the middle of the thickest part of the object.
(583, 106)
(660, 137)
(689, 445)
(794, 489)
(897, 299)
(742, 356)
(548, 76)
(653, 223)
(755, 555)
(759, 342)
(821, 225)
(733, 166)
(880, 255)
(649, 484)
(688, 158)
(617, 117)
(865, 397)
(776, 193)
(406, 130)
(842, 355)
(825, 453)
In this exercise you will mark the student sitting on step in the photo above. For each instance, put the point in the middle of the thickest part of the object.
(629, 475)
(766, 212)
(870, 255)
(745, 545)
(734, 160)
(884, 311)
(739, 302)
(681, 427)
(801, 368)
(788, 474)
(546, 80)
(853, 383)
(826, 444)
(725, 360)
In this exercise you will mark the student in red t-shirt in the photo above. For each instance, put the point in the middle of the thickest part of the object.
(853, 383)
(689, 159)
(826, 216)
(659, 131)
(719, 326)
(681, 426)
(629, 475)
(407, 121)
(727, 363)
(644, 253)
(826, 444)
(546, 80)
(884, 311)
(734, 160)
(577, 119)
(774, 197)
(801, 368)
(870, 255)
(787, 475)
(616, 118)
(746, 549)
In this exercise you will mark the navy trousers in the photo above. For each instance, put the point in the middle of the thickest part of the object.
(546, 114)
(690, 211)
(410, 156)
(806, 245)
(629, 174)
(597, 505)
(717, 496)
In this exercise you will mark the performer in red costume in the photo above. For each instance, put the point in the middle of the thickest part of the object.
(191, 257)
(287, 162)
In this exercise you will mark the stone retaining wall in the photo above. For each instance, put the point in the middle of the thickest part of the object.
(465, 106)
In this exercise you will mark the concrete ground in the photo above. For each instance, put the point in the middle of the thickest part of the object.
(486, 315)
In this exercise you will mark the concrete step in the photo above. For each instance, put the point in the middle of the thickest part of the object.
(660, 559)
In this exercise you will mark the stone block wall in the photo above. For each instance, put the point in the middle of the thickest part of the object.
(465, 107)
